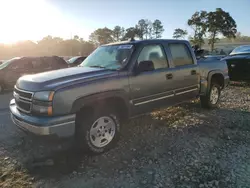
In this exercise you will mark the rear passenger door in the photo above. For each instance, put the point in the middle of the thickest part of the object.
(185, 72)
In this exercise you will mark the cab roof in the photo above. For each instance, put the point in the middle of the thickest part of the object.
(148, 41)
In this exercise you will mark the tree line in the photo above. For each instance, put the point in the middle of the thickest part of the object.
(209, 25)
(144, 29)
(48, 46)
(207, 28)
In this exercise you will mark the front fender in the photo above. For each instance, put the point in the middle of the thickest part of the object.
(96, 97)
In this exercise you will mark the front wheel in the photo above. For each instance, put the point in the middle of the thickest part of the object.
(98, 132)
(211, 100)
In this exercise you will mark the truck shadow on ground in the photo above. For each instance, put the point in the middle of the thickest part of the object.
(140, 139)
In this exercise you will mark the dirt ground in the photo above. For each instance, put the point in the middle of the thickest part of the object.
(182, 146)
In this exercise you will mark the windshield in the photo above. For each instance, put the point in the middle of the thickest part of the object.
(72, 60)
(109, 57)
(241, 49)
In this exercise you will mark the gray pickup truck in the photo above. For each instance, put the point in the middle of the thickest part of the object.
(116, 82)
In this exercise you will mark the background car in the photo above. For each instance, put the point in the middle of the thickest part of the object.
(214, 57)
(14, 68)
(75, 61)
(238, 63)
(66, 58)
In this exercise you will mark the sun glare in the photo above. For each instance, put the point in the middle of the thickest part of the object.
(28, 20)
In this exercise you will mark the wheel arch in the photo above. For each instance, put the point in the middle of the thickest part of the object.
(216, 76)
(117, 99)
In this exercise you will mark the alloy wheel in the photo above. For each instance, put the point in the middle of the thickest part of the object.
(102, 131)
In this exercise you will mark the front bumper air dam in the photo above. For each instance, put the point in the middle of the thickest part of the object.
(61, 126)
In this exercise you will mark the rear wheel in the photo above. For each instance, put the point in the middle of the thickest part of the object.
(211, 100)
(98, 132)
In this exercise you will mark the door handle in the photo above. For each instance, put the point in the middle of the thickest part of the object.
(169, 76)
(193, 72)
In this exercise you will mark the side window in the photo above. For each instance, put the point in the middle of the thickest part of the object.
(20, 64)
(39, 64)
(154, 53)
(180, 54)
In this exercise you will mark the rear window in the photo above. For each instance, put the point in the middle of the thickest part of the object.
(180, 54)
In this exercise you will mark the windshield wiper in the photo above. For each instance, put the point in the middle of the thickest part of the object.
(102, 67)
(98, 66)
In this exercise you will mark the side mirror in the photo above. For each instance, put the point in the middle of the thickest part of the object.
(145, 66)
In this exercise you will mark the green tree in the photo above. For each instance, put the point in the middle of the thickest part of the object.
(220, 22)
(179, 33)
(130, 33)
(157, 29)
(76, 37)
(198, 23)
(141, 28)
(148, 29)
(86, 48)
(197, 39)
(101, 36)
(48, 45)
(145, 29)
(118, 33)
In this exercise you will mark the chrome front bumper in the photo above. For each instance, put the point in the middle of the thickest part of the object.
(61, 126)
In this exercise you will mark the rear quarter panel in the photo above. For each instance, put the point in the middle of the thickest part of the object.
(209, 67)
(206, 66)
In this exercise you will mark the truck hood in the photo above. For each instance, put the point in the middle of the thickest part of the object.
(57, 79)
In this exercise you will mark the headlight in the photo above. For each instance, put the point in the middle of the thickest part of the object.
(42, 103)
(44, 95)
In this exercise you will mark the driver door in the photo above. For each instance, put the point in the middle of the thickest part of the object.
(151, 89)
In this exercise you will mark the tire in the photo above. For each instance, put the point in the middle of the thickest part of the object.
(92, 130)
(211, 100)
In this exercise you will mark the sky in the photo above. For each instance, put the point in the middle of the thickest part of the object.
(34, 19)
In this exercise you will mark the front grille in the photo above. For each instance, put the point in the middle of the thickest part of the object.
(22, 105)
(23, 100)
(24, 94)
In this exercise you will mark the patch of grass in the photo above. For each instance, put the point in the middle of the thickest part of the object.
(170, 115)
(13, 175)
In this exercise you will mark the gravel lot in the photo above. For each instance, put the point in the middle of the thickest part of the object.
(182, 146)
(5, 99)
